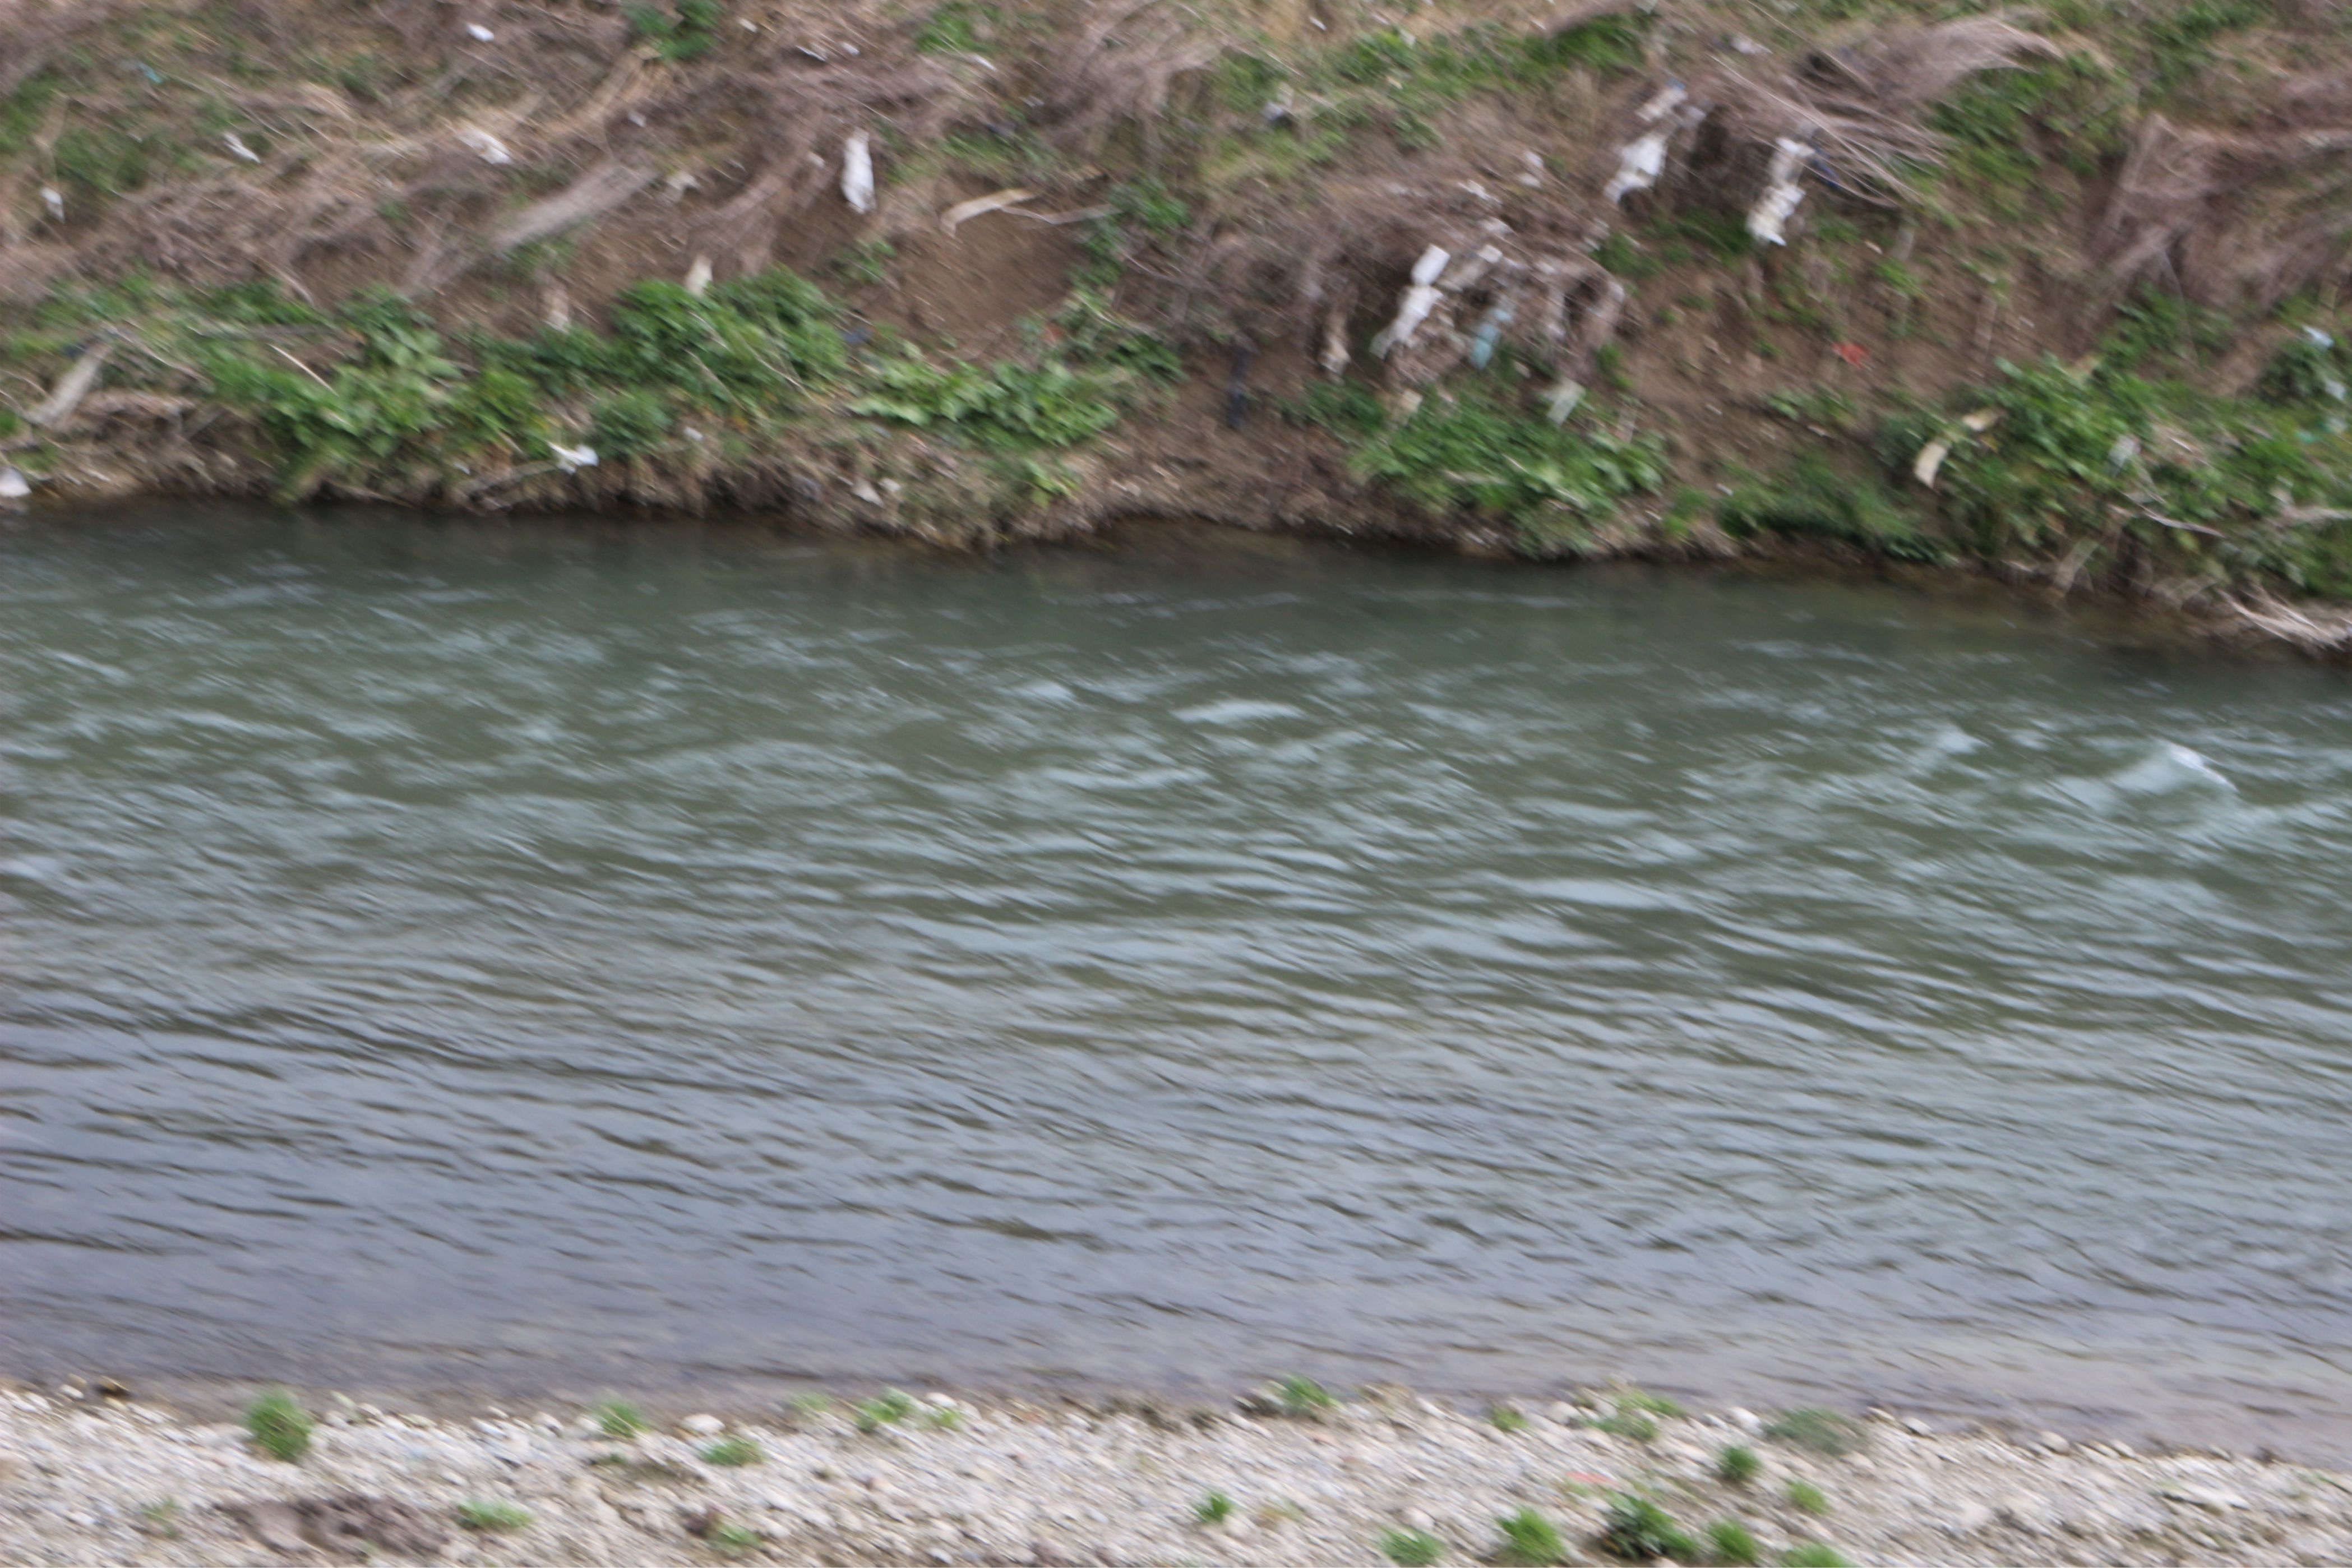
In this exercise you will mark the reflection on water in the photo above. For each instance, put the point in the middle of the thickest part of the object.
(544, 953)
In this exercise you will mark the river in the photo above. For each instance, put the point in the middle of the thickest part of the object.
(572, 955)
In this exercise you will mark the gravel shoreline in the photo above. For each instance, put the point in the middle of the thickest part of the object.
(86, 1478)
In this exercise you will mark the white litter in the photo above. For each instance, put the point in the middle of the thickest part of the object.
(857, 172)
(1639, 163)
(1421, 298)
(492, 150)
(1664, 101)
(56, 200)
(961, 212)
(1770, 216)
(573, 458)
(14, 486)
(480, 34)
(697, 276)
(237, 148)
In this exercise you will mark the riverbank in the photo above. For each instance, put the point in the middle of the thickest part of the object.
(89, 1478)
(2062, 307)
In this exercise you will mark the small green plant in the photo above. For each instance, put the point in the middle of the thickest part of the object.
(1807, 1498)
(943, 1419)
(280, 1428)
(1303, 1396)
(1006, 407)
(1343, 408)
(1530, 1540)
(885, 1409)
(620, 1420)
(687, 33)
(731, 1539)
(479, 1515)
(160, 1518)
(959, 27)
(1732, 1542)
(1468, 451)
(1411, 1548)
(1648, 1403)
(1822, 1431)
(1813, 500)
(867, 262)
(733, 1453)
(1737, 1465)
(1506, 1419)
(1628, 1422)
(1639, 1530)
(808, 1407)
(1215, 1509)
(1812, 1555)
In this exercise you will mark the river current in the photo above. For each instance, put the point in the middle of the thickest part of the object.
(565, 954)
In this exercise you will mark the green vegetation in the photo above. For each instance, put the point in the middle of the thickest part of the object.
(620, 1420)
(1215, 1509)
(731, 1539)
(1303, 1396)
(1812, 500)
(1819, 1430)
(480, 1515)
(1466, 452)
(1737, 1465)
(1005, 406)
(687, 32)
(943, 1419)
(1505, 1418)
(280, 1427)
(1812, 1555)
(1411, 1548)
(1728, 1541)
(959, 27)
(1530, 1540)
(160, 1518)
(1807, 1498)
(733, 1452)
(1639, 1530)
(887, 1408)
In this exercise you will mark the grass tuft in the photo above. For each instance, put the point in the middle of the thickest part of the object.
(1530, 1540)
(1215, 1509)
(887, 1408)
(1737, 1465)
(1303, 1396)
(1807, 1498)
(621, 1420)
(1639, 1530)
(1505, 1418)
(476, 1514)
(1812, 1555)
(280, 1428)
(1822, 1431)
(1411, 1548)
(733, 1453)
(1731, 1542)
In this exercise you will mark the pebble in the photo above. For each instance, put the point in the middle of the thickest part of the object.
(702, 1425)
(1747, 1421)
(1111, 1487)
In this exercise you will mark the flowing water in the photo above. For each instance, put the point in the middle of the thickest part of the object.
(565, 955)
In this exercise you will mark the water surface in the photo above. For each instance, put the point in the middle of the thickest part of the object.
(552, 953)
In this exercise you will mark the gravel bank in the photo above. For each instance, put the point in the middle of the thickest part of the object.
(112, 1480)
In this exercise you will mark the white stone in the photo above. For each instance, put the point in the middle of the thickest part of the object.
(702, 1425)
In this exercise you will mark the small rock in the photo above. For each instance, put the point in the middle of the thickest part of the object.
(2029, 1514)
(1968, 1518)
(2215, 1498)
(1045, 1554)
(2052, 1443)
(1747, 1421)
(1561, 1411)
(1418, 1518)
(702, 1425)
